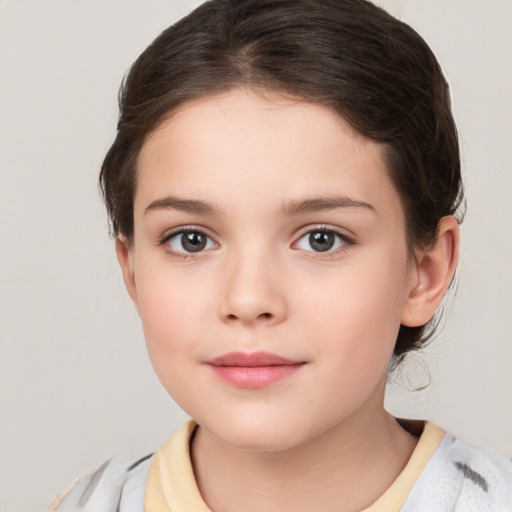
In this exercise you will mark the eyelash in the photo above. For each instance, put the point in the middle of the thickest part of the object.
(164, 241)
(346, 241)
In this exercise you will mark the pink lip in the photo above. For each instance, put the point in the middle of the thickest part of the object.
(253, 370)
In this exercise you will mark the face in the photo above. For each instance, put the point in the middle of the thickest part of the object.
(269, 266)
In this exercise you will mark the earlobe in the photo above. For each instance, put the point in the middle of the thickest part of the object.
(435, 267)
(124, 253)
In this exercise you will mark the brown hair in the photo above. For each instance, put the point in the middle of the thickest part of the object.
(349, 55)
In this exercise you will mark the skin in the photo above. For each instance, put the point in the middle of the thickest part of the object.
(320, 438)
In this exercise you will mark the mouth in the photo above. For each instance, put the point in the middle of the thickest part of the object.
(253, 370)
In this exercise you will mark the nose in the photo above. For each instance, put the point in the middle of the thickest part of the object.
(252, 292)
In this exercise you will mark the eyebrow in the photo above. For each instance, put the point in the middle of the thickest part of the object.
(184, 205)
(318, 204)
(289, 208)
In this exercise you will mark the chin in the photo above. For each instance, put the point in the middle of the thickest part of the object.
(255, 442)
(250, 435)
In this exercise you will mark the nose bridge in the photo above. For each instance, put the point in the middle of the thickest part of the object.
(252, 288)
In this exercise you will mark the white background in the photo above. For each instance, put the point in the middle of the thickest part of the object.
(75, 382)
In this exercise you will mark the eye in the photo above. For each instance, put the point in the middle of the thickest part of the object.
(321, 240)
(189, 241)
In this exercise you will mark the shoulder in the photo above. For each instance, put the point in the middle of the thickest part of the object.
(118, 485)
(462, 478)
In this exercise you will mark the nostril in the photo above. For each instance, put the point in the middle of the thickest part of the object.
(266, 315)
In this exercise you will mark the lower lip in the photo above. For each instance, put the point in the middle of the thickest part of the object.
(252, 377)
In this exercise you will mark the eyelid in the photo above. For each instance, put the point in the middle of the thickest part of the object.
(168, 235)
(182, 229)
(341, 234)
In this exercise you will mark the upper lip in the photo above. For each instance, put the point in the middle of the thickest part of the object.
(252, 359)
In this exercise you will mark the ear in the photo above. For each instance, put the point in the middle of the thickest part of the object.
(124, 250)
(434, 270)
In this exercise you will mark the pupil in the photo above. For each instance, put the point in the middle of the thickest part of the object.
(321, 241)
(193, 242)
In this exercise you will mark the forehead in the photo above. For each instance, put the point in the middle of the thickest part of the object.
(266, 146)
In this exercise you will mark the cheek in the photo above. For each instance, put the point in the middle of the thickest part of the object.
(359, 308)
(171, 330)
(173, 308)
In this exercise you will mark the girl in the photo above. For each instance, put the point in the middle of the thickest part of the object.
(285, 194)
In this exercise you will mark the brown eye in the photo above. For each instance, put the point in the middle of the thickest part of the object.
(193, 242)
(321, 240)
(190, 242)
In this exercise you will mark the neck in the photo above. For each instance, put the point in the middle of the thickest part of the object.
(345, 469)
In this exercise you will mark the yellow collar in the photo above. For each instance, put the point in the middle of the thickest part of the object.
(171, 486)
